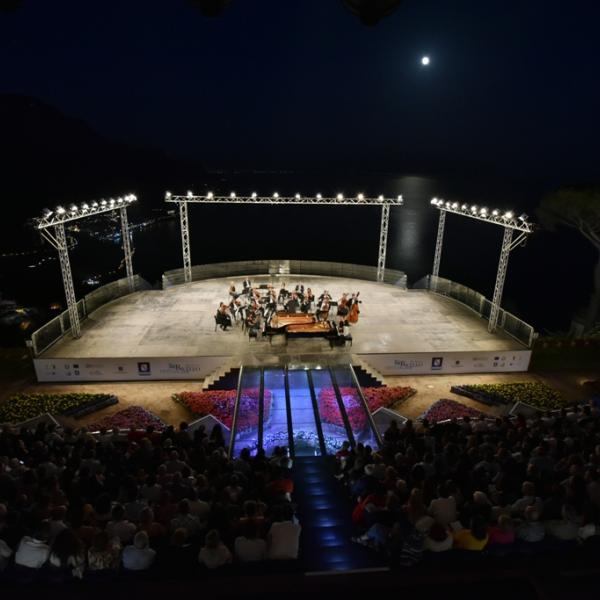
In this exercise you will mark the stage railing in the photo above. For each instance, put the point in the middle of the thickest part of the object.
(51, 332)
(282, 268)
(513, 326)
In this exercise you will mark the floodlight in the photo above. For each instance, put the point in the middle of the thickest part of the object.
(523, 217)
(275, 195)
(297, 196)
(190, 194)
(319, 196)
(232, 195)
(360, 197)
(339, 197)
(509, 214)
(254, 194)
(209, 195)
(167, 195)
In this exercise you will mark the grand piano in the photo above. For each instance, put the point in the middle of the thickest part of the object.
(299, 325)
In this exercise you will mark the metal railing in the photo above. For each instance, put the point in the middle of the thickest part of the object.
(293, 267)
(54, 330)
(509, 323)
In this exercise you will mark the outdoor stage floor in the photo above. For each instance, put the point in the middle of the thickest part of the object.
(179, 321)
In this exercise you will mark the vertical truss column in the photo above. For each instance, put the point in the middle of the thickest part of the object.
(437, 258)
(500, 277)
(185, 241)
(383, 233)
(127, 248)
(65, 269)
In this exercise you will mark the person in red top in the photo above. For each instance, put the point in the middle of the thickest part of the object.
(280, 485)
(503, 533)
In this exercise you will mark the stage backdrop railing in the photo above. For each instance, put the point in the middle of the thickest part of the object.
(513, 326)
(283, 267)
(52, 331)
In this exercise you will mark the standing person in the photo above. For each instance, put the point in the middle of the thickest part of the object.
(246, 286)
(353, 308)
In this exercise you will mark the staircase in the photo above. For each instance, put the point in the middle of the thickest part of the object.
(367, 376)
(223, 378)
(324, 511)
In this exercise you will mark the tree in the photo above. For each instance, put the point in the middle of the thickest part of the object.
(578, 208)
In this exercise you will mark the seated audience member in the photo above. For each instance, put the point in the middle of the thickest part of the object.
(214, 553)
(443, 508)
(531, 530)
(5, 554)
(104, 553)
(248, 546)
(566, 528)
(179, 559)
(57, 521)
(284, 536)
(138, 556)
(155, 530)
(184, 520)
(120, 527)
(474, 538)
(67, 553)
(33, 551)
(438, 539)
(528, 499)
(502, 533)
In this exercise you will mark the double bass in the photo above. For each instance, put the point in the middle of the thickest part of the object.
(354, 310)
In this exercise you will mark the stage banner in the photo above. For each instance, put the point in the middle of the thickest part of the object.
(126, 369)
(428, 363)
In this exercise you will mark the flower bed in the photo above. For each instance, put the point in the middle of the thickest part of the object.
(443, 410)
(375, 398)
(385, 397)
(134, 416)
(538, 395)
(27, 406)
(221, 404)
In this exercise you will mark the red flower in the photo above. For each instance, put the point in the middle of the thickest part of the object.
(221, 404)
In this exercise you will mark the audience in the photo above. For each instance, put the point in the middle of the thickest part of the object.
(71, 502)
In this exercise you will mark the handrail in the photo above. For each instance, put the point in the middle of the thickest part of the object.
(318, 422)
(288, 411)
(235, 413)
(340, 401)
(366, 406)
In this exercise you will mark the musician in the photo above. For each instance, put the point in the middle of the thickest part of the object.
(324, 295)
(342, 308)
(300, 291)
(283, 294)
(232, 292)
(223, 317)
(240, 305)
(353, 308)
(271, 305)
(246, 286)
(292, 305)
(323, 310)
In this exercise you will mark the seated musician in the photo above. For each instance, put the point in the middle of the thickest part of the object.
(246, 286)
(323, 310)
(309, 297)
(300, 291)
(342, 309)
(305, 305)
(223, 317)
(292, 305)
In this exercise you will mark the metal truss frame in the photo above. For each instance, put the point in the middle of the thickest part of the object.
(59, 242)
(506, 220)
(56, 219)
(276, 199)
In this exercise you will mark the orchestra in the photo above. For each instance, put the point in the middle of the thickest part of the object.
(259, 308)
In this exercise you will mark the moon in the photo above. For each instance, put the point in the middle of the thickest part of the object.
(425, 60)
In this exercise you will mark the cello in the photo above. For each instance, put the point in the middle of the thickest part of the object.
(354, 310)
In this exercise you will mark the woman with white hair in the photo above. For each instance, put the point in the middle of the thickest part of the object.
(139, 556)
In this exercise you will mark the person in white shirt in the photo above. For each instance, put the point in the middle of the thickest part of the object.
(214, 554)
(33, 551)
(529, 499)
(138, 557)
(284, 537)
(443, 509)
(249, 547)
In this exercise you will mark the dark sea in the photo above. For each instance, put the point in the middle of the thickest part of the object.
(548, 279)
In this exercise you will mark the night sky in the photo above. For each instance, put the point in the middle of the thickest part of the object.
(513, 85)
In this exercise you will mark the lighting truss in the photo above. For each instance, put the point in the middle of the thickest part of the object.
(276, 199)
(507, 220)
(74, 212)
(254, 198)
(52, 228)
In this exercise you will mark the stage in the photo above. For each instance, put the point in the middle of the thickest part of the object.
(170, 334)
